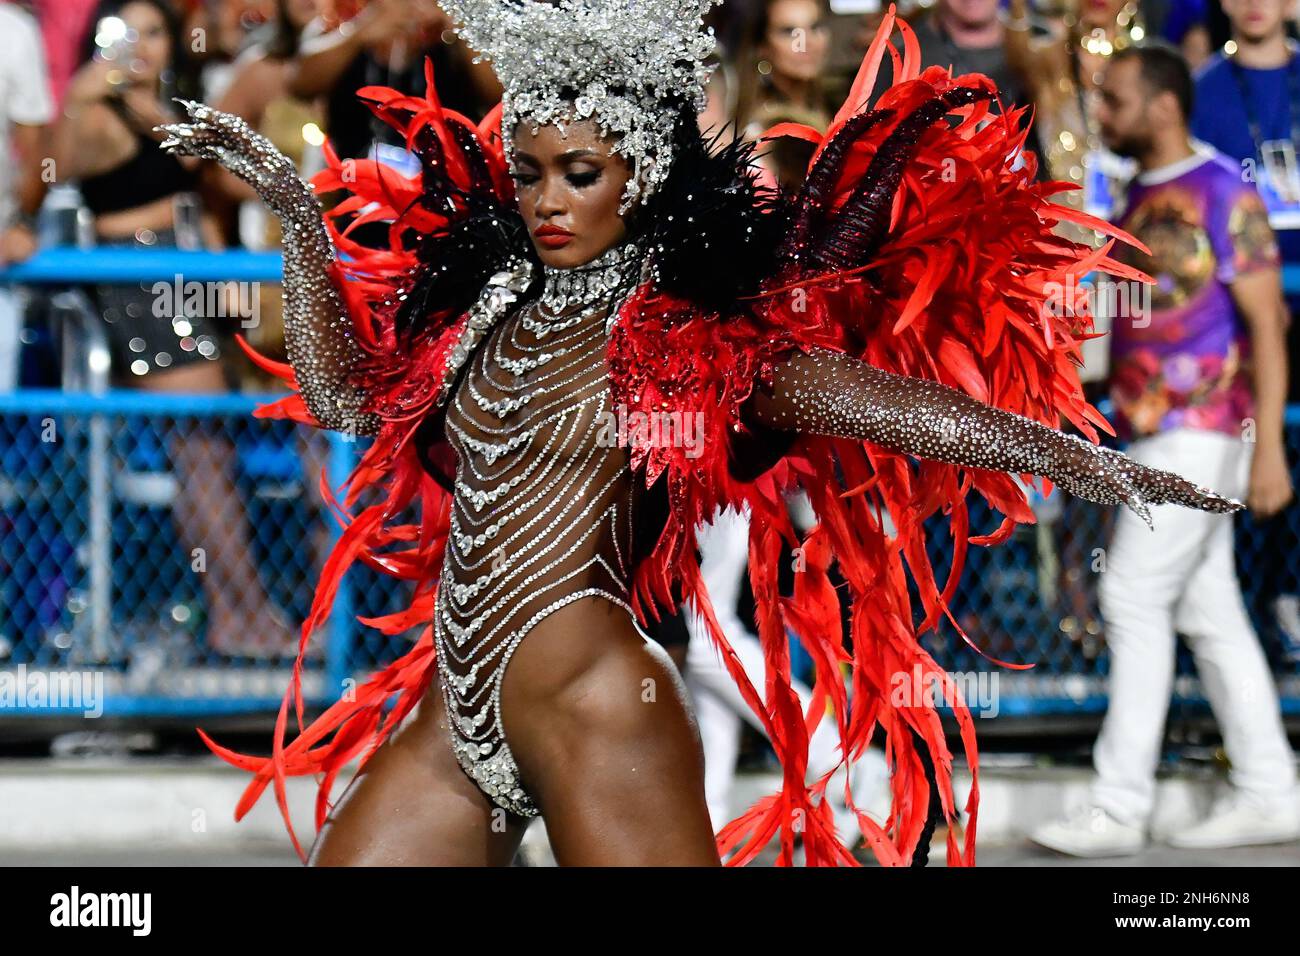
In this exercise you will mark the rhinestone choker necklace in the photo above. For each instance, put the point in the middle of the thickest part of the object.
(592, 284)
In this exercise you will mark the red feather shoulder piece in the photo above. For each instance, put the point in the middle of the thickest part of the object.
(921, 244)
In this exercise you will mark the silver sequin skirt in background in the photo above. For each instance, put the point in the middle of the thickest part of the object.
(150, 328)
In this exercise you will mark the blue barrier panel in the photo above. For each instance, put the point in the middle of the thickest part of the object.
(70, 265)
(108, 557)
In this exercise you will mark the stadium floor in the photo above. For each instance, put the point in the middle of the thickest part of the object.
(1016, 855)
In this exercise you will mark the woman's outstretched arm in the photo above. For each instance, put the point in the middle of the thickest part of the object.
(318, 332)
(830, 393)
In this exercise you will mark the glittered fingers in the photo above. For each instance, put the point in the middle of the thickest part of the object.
(319, 334)
(229, 140)
(828, 393)
(1110, 477)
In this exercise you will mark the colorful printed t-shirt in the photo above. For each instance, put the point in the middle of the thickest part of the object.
(1179, 356)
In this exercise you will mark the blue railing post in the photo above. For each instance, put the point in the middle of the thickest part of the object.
(338, 652)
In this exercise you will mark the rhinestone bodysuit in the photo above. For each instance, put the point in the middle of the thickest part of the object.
(542, 506)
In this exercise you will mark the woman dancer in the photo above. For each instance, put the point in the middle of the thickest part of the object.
(588, 332)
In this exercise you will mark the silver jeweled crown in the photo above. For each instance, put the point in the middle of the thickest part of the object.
(620, 62)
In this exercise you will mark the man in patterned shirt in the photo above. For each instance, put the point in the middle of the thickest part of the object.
(1198, 382)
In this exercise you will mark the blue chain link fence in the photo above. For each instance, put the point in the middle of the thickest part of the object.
(104, 571)
(1033, 600)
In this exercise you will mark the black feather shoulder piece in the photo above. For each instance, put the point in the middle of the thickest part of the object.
(482, 235)
(712, 229)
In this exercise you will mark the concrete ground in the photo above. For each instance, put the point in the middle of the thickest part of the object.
(178, 812)
(1024, 854)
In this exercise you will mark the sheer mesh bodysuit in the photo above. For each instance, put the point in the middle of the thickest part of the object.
(541, 517)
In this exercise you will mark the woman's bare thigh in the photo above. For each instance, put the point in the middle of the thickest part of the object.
(412, 805)
(597, 718)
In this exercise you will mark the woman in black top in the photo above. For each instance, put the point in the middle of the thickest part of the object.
(137, 195)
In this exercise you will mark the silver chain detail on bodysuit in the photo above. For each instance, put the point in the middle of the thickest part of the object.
(539, 504)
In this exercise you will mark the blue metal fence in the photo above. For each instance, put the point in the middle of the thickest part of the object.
(96, 573)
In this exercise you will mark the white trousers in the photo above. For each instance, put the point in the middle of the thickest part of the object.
(1182, 577)
(719, 706)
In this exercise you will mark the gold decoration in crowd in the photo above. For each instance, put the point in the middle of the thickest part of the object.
(1128, 30)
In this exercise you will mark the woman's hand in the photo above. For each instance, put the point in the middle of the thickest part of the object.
(1110, 477)
(318, 332)
(91, 83)
(228, 139)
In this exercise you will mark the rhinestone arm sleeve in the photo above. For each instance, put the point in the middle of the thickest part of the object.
(318, 332)
(829, 393)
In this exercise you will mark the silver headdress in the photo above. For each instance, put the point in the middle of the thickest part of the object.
(623, 63)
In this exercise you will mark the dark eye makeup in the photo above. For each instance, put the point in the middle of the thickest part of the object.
(577, 179)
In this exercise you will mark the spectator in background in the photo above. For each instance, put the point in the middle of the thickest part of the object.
(778, 79)
(1248, 108)
(780, 66)
(1182, 23)
(259, 92)
(969, 36)
(1184, 393)
(385, 44)
(138, 195)
(217, 31)
(25, 111)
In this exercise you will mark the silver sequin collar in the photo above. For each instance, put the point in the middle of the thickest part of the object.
(585, 287)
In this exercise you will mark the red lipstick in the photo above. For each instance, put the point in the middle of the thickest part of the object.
(553, 237)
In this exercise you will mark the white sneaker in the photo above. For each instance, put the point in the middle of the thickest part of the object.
(1090, 832)
(1238, 822)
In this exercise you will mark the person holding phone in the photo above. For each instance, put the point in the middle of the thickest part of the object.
(383, 42)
